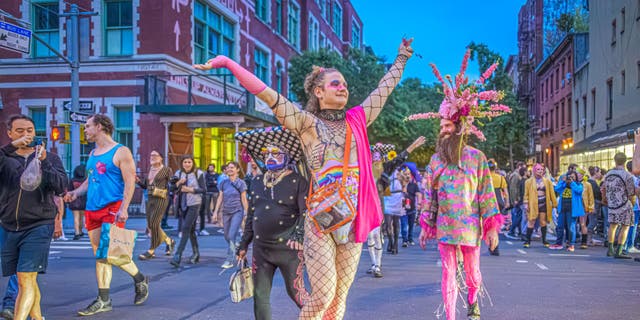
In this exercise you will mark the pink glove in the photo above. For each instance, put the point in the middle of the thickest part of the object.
(247, 79)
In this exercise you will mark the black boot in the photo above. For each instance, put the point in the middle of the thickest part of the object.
(176, 260)
(527, 243)
(583, 244)
(195, 257)
(543, 230)
(620, 254)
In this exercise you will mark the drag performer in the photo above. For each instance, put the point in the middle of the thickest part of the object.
(275, 224)
(331, 258)
(460, 203)
(539, 202)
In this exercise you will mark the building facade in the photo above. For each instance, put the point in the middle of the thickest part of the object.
(530, 51)
(554, 76)
(136, 59)
(607, 99)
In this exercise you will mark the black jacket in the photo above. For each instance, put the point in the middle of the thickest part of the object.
(19, 209)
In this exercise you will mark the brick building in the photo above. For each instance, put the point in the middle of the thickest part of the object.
(136, 59)
(554, 76)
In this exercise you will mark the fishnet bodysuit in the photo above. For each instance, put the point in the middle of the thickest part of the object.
(331, 268)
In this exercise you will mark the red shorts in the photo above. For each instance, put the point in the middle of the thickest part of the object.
(94, 219)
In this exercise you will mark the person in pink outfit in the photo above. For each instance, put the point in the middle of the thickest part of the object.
(460, 206)
(326, 132)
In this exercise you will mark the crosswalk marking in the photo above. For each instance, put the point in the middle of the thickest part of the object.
(542, 266)
(509, 243)
(521, 251)
(522, 261)
(71, 247)
(568, 255)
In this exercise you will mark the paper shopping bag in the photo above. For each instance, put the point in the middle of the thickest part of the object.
(119, 244)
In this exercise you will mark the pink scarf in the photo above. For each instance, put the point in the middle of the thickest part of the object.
(369, 214)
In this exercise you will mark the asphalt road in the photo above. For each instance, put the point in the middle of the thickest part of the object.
(534, 283)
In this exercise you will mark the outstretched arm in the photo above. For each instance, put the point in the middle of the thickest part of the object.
(289, 115)
(375, 101)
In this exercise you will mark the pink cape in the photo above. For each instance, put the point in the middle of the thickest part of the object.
(369, 215)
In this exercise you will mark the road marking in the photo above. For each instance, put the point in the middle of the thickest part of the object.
(72, 243)
(542, 266)
(568, 255)
(522, 261)
(522, 251)
(54, 252)
(509, 243)
(71, 247)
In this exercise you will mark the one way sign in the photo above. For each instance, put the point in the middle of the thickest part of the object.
(78, 117)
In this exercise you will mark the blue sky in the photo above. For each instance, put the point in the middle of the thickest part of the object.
(441, 30)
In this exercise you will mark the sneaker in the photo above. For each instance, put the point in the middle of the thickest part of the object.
(370, 271)
(227, 265)
(142, 291)
(96, 306)
(526, 245)
(411, 243)
(546, 244)
(7, 314)
(584, 246)
(571, 248)
(634, 250)
(204, 232)
(377, 273)
(180, 234)
(405, 244)
(556, 247)
(77, 236)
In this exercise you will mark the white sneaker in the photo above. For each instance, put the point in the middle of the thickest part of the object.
(373, 268)
(634, 250)
(226, 265)
(179, 234)
(204, 232)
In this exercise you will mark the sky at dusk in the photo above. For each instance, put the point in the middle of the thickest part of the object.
(441, 30)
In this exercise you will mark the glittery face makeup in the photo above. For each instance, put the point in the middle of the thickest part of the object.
(276, 158)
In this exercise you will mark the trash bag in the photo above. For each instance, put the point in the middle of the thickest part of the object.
(32, 175)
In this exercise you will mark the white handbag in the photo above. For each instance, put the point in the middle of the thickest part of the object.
(241, 283)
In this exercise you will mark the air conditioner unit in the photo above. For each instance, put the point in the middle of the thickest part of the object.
(532, 117)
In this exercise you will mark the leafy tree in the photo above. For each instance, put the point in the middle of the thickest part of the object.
(506, 135)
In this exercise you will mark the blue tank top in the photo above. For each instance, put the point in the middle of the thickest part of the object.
(105, 180)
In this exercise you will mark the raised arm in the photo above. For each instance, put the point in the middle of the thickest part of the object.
(373, 104)
(288, 114)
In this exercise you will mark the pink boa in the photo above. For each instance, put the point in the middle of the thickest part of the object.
(428, 228)
(492, 223)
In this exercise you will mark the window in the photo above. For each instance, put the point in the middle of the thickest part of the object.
(123, 120)
(576, 124)
(623, 81)
(546, 92)
(119, 28)
(609, 99)
(279, 77)
(568, 118)
(261, 70)
(542, 92)
(325, 8)
(583, 121)
(314, 33)
(262, 10)
(638, 73)
(593, 107)
(337, 19)
(355, 35)
(557, 78)
(294, 24)
(551, 122)
(323, 39)
(39, 116)
(562, 118)
(563, 75)
(558, 124)
(213, 34)
(279, 16)
(622, 20)
(613, 32)
(292, 96)
(46, 25)
(551, 94)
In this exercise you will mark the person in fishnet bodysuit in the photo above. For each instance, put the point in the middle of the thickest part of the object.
(322, 130)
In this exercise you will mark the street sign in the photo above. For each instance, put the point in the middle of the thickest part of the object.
(78, 117)
(85, 106)
(15, 38)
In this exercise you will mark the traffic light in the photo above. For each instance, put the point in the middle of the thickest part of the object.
(55, 133)
(83, 139)
(61, 133)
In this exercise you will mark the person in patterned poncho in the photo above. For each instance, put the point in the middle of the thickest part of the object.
(460, 206)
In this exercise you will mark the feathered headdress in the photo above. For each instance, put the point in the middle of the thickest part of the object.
(464, 103)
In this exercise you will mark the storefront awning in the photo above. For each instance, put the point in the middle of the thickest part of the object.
(213, 109)
(609, 138)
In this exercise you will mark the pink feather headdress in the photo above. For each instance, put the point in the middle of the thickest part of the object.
(464, 103)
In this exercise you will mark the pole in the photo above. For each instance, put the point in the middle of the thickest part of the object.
(74, 56)
(73, 42)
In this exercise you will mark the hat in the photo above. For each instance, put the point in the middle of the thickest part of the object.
(464, 103)
(257, 139)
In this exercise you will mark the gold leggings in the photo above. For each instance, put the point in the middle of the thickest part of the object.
(331, 269)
